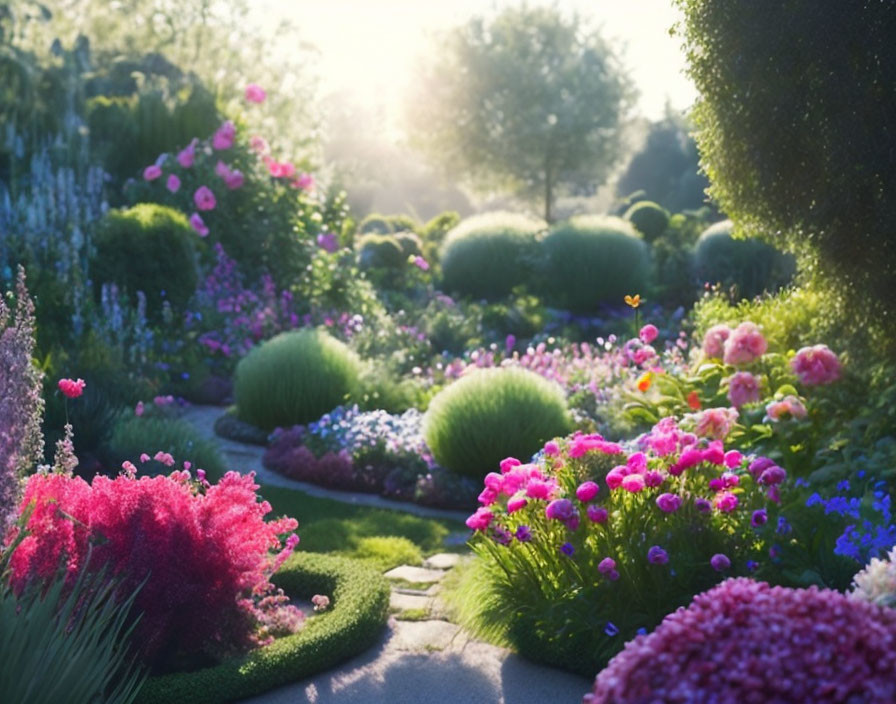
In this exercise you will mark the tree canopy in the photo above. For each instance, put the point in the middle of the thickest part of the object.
(529, 101)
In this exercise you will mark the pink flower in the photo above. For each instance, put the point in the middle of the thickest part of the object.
(151, 173)
(541, 489)
(321, 602)
(597, 514)
(515, 504)
(615, 476)
(224, 136)
(198, 224)
(204, 198)
(633, 483)
(165, 458)
(587, 491)
(653, 478)
(551, 448)
(648, 333)
(733, 459)
(71, 388)
(714, 341)
(138, 409)
(745, 344)
(509, 463)
(816, 365)
(586, 443)
(715, 423)
(487, 497)
(480, 520)
(743, 388)
(421, 263)
(279, 169)
(255, 93)
(304, 181)
(144, 457)
(726, 502)
(187, 155)
(129, 468)
(788, 407)
(173, 183)
(234, 180)
(222, 169)
(258, 144)
(328, 242)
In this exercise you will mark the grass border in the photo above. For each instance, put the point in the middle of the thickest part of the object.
(360, 605)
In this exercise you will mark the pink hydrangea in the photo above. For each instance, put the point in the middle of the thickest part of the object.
(744, 641)
(743, 388)
(816, 365)
(745, 344)
(224, 136)
(152, 172)
(715, 423)
(255, 93)
(714, 341)
(788, 407)
(648, 334)
(204, 198)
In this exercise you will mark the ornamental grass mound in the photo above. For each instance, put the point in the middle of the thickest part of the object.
(745, 642)
(294, 378)
(474, 423)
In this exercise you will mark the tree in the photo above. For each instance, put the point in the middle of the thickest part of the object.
(528, 101)
(797, 131)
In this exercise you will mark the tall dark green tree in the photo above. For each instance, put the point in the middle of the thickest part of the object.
(797, 131)
(528, 101)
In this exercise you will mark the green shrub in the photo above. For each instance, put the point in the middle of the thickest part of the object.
(294, 378)
(648, 218)
(359, 598)
(491, 414)
(486, 256)
(380, 252)
(66, 644)
(378, 224)
(386, 552)
(410, 243)
(132, 436)
(434, 231)
(591, 260)
(748, 265)
(147, 248)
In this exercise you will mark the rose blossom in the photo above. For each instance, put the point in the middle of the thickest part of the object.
(743, 388)
(816, 365)
(745, 344)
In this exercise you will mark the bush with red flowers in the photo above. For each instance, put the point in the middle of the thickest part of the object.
(203, 554)
(745, 642)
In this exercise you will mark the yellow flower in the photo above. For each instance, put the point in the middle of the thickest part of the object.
(633, 301)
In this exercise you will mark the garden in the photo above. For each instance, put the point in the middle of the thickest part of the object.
(545, 400)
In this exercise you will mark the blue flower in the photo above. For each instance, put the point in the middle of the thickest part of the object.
(611, 629)
(567, 549)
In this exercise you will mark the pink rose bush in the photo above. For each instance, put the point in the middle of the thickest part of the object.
(816, 366)
(599, 520)
(745, 642)
(205, 552)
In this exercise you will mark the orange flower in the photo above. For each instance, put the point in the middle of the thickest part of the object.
(633, 301)
(694, 401)
(645, 381)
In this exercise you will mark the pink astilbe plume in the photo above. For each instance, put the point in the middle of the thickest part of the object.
(21, 403)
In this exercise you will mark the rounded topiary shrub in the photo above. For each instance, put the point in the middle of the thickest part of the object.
(486, 256)
(380, 252)
(148, 248)
(410, 243)
(749, 265)
(648, 218)
(294, 378)
(591, 260)
(491, 414)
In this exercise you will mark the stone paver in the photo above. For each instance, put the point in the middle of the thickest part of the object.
(408, 602)
(424, 636)
(417, 575)
(442, 561)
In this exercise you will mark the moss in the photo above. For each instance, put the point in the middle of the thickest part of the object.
(360, 598)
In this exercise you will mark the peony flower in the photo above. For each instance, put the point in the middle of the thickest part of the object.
(726, 502)
(173, 183)
(715, 423)
(224, 136)
(204, 198)
(551, 448)
(255, 93)
(743, 388)
(668, 503)
(71, 388)
(587, 491)
(745, 344)
(633, 483)
(515, 504)
(198, 224)
(788, 407)
(714, 341)
(597, 514)
(816, 366)
(480, 520)
(648, 334)
(509, 463)
(560, 510)
(151, 173)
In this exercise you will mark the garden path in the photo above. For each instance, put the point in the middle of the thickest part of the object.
(421, 658)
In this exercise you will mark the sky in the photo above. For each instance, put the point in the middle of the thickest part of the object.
(368, 48)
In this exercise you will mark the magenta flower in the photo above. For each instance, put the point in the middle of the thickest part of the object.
(541, 489)
(714, 341)
(733, 459)
(607, 565)
(304, 181)
(560, 510)
(138, 409)
(173, 183)
(759, 518)
(648, 334)
(720, 562)
(615, 476)
(551, 448)
(726, 502)
(421, 263)
(745, 344)
(255, 93)
(668, 503)
(657, 556)
(480, 520)
(524, 534)
(279, 169)
(224, 136)
(509, 463)
(204, 198)
(816, 366)
(772, 476)
(152, 172)
(509, 343)
(587, 491)
(198, 224)
(71, 388)
(743, 388)
(187, 155)
(515, 504)
(597, 514)
(487, 497)
(234, 180)
(653, 478)
(633, 483)
(221, 169)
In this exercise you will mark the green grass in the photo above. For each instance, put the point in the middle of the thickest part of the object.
(326, 525)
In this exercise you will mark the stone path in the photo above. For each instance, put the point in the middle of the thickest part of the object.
(421, 658)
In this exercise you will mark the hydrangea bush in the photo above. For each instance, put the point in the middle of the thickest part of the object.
(595, 540)
(744, 642)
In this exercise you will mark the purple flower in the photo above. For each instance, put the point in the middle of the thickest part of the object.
(611, 629)
(657, 556)
(669, 503)
(720, 562)
(607, 565)
(597, 514)
(759, 518)
(567, 549)
(524, 534)
(560, 510)
(702, 505)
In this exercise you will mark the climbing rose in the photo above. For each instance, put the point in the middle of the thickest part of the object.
(745, 344)
(204, 198)
(743, 388)
(72, 388)
(816, 366)
(151, 173)
(198, 224)
(255, 93)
